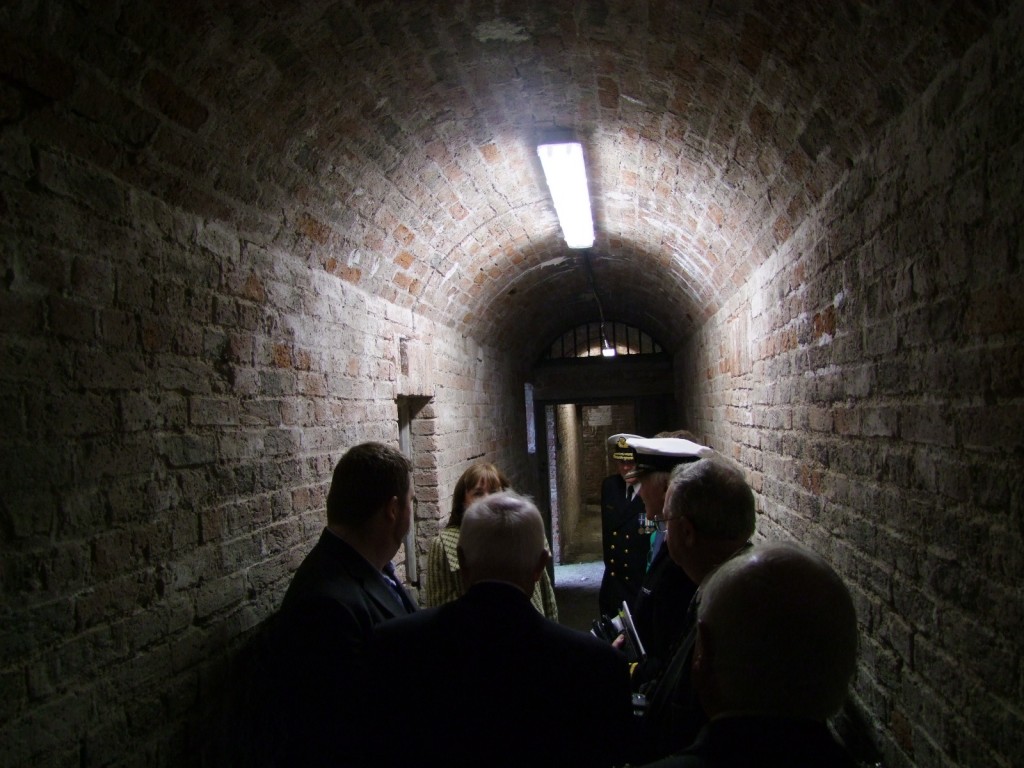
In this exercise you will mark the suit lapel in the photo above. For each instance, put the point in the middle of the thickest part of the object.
(382, 596)
(369, 580)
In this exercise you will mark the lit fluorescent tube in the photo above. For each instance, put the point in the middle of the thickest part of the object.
(567, 181)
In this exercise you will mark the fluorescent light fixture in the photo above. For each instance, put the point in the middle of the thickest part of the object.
(567, 180)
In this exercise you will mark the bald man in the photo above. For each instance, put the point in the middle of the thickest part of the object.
(486, 679)
(775, 652)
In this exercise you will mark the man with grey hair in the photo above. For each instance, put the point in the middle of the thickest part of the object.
(775, 652)
(504, 541)
(486, 679)
(709, 516)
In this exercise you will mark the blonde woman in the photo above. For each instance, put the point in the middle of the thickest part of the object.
(444, 582)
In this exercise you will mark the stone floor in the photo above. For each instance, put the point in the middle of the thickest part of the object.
(576, 588)
(583, 544)
(578, 576)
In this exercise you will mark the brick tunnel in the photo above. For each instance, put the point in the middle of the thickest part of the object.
(238, 239)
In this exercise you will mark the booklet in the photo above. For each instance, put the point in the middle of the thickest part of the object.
(621, 624)
(633, 641)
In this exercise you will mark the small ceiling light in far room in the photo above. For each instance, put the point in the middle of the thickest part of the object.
(567, 180)
(607, 350)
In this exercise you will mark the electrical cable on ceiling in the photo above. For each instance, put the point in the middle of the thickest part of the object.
(607, 350)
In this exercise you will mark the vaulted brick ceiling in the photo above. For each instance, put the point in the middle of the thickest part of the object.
(396, 139)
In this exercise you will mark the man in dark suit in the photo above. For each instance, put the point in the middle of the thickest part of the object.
(775, 652)
(344, 587)
(486, 679)
(624, 538)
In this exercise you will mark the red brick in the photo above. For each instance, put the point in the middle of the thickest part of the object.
(404, 235)
(490, 153)
(315, 230)
(282, 355)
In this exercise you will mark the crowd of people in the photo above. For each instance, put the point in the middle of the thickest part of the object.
(749, 647)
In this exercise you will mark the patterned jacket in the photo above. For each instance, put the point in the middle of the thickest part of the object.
(445, 585)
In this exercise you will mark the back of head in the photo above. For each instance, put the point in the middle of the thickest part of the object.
(364, 480)
(782, 634)
(714, 495)
(493, 478)
(502, 538)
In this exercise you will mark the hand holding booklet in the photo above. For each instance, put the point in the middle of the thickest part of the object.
(609, 628)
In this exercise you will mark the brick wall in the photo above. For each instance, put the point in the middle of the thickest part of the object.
(169, 479)
(175, 395)
(598, 424)
(469, 420)
(869, 378)
(216, 277)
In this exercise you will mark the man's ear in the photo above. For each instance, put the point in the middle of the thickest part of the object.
(391, 509)
(688, 534)
(542, 563)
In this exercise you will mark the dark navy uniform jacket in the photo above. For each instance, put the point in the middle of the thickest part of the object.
(625, 546)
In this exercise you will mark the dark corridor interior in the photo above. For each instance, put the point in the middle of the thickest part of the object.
(238, 239)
